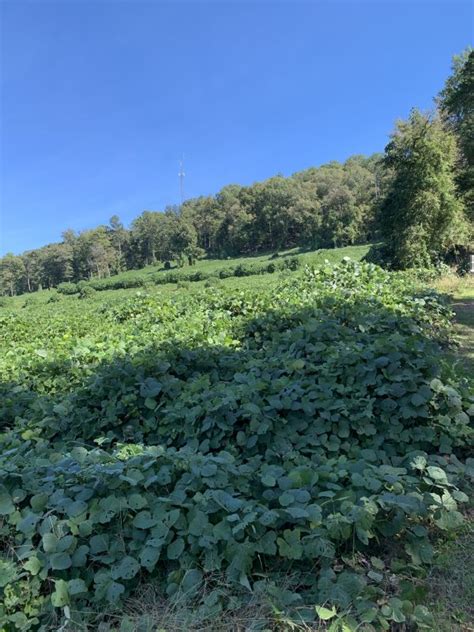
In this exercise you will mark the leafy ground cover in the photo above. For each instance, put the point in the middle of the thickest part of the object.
(289, 448)
(451, 580)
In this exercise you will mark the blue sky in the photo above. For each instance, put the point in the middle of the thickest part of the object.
(100, 99)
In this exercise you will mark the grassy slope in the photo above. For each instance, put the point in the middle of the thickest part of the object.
(315, 257)
(306, 256)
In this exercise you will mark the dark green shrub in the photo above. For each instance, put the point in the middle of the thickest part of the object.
(292, 263)
(198, 276)
(30, 300)
(67, 288)
(167, 265)
(212, 282)
(226, 273)
(244, 269)
(87, 292)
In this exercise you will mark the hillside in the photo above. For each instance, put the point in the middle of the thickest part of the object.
(260, 268)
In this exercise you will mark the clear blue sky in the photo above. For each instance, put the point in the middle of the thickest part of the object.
(99, 99)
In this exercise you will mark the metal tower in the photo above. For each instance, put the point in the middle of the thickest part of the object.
(181, 175)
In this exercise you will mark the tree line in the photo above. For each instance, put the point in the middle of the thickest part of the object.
(418, 197)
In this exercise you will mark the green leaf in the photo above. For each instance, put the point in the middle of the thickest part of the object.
(38, 502)
(127, 568)
(137, 501)
(77, 586)
(150, 403)
(175, 549)
(437, 474)
(33, 565)
(28, 523)
(150, 388)
(6, 505)
(76, 508)
(60, 596)
(286, 499)
(149, 556)
(60, 561)
(324, 613)
(268, 480)
(8, 573)
(144, 520)
(192, 580)
(114, 592)
(50, 542)
(449, 520)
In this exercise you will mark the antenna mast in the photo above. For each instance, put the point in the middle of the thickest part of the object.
(181, 175)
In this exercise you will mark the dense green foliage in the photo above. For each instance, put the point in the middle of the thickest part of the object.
(456, 103)
(421, 218)
(306, 427)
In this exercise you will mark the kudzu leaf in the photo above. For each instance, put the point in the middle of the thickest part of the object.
(175, 549)
(33, 565)
(144, 520)
(150, 388)
(324, 613)
(150, 403)
(60, 596)
(50, 542)
(149, 556)
(60, 561)
(127, 568)
(114, 591)
(76, 508)
(76, 586)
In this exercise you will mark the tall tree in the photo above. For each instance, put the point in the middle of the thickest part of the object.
(12, 271)
(421, 218)
(456, 103)
(118, 239)
(32, 267)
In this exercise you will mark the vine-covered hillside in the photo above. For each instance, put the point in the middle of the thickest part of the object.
(216, 443)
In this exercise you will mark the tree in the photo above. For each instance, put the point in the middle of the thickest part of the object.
(421, 218)
(32, 267)
(55, 261)
(118, 238)
(456, 104)
(12, 272)
(147, 237)
(183, 239)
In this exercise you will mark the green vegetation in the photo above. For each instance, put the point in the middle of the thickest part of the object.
(422, 218)
(456, 104)
(289, 449)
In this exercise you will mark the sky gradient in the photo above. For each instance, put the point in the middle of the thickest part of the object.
(100, 99)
